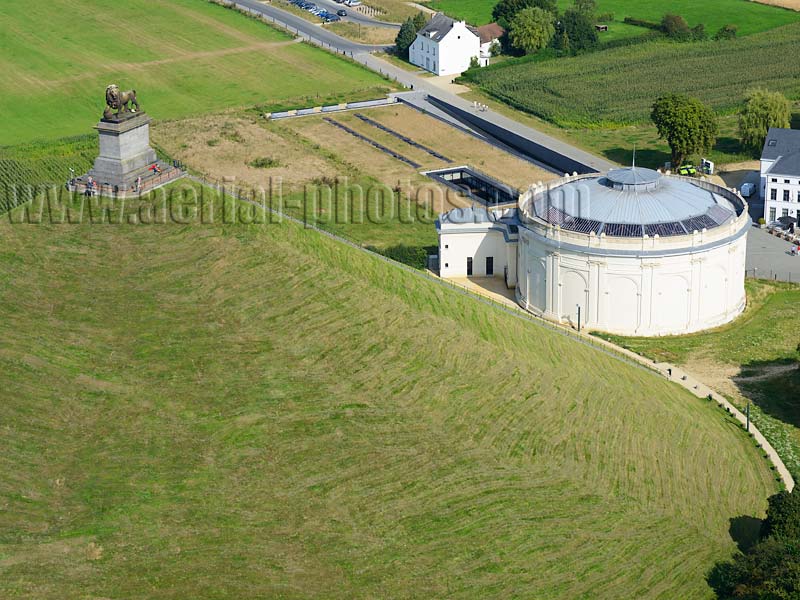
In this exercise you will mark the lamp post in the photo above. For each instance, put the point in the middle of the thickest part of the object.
(748, 416)
(579, 317)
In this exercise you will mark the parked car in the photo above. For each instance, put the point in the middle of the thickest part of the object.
(341, 12)
(687, 170)
(748, 189)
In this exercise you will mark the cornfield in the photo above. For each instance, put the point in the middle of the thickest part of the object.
(618, 86)
(26, 168)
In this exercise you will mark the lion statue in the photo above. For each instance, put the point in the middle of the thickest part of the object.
(118, 101)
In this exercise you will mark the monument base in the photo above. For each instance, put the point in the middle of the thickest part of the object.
(125, 152)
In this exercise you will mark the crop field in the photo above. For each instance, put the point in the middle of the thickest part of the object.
(750, 17)
(27, 167)
(754, 359)
(249, 411)
(618, 86)
(184, 57)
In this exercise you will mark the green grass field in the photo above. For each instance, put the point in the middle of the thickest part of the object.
(184, 57)
(750, 17)
(754, 358)
(618, 86)
(225, 411)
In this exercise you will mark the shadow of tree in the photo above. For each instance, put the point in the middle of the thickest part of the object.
(645, 157)
(774, 387)
(730, 145)
(745, 531)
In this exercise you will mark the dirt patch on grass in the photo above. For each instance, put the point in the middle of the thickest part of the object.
(225, 147)
(790, 4)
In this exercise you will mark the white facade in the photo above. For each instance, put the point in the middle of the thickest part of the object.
(472, 243)
(781, 195)
(780, 174)
(637, 285)
(444, 46)
(647, 294)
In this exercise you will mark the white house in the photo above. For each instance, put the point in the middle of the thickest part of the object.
(445, 46)
(780, 174)
(633, 252)
(490, 35)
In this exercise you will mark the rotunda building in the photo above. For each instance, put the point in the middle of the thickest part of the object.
(632, 252)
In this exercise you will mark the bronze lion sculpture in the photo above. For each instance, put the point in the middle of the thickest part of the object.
(118, 101)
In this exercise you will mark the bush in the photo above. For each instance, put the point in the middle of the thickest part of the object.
(265, 162)
(413, 256)
(676, 28)
(726, 32)
(642, 23)
(605, 17)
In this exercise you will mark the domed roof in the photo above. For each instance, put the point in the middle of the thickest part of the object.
(634, 202)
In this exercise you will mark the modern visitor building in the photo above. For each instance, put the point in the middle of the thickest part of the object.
(635, 251)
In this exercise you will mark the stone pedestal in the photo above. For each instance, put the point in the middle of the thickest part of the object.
(125, 152)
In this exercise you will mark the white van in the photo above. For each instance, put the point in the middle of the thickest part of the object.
(748, 189)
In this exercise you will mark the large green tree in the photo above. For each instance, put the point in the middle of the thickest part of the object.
(586, 7)
(783, 517)
(531, 30)
(688, 125)
(405, 37)
(579, 29)
(420, 20)
(770, 569)
(762, 110)
(505, 10)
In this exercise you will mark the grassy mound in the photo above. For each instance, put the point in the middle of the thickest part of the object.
(258, 411)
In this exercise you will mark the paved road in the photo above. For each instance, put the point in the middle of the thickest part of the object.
(363, 54)
(768, 257)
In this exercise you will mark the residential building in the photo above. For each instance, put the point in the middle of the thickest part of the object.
(780, 174)
(445, 46)
(490, 36)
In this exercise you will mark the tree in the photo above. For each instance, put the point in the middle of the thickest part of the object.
(531, 30)
(761, 111)
(699, 33)
(505, 10)
(783, 517)
(405, 37)
(580, 30)
(586, 7)
(561, 39)
(676, 28)
(420, 20)
(770, 569)
(726, 32)
(687, 124)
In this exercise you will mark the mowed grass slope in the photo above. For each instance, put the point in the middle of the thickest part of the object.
(230, 411)
(749, 17)
(184, 57)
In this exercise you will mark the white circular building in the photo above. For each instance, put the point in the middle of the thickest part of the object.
(634, 251)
